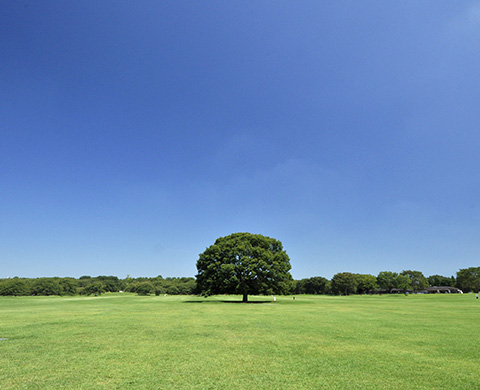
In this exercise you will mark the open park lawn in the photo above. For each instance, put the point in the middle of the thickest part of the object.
(124, 341)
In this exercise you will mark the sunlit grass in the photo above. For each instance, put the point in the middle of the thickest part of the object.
(122, 341)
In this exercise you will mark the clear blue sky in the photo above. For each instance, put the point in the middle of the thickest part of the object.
(134, 133)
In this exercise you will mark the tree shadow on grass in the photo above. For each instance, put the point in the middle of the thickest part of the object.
(254, 302)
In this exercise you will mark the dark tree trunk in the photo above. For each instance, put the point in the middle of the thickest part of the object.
(245, 298)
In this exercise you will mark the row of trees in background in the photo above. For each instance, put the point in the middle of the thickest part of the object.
(343, 283)
(87, 285)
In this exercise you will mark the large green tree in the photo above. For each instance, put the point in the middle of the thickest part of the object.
(344, 283)
(468, 279)
(246, 264)
(417, 280)
(391, 280)
(313, 285)
(366, 283)
(440, 280)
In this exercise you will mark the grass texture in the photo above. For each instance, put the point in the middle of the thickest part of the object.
(123, 341)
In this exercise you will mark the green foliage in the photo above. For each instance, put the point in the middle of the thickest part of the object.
(314, 285)
(95, 288)
(417, 280)
(366, 283)
(468, 279)
(46, 286)
(15, 287)
(344, 283)
(391, 280)
(84, 281)
(171, 286)
(439, 280)
(386, 280)
(68, 285)
(177, 286)
(144, 288)
(110, 283)
(246, 264)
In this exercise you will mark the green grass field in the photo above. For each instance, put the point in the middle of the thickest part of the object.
(123, 341)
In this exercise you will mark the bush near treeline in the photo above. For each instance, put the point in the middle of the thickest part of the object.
(343, 283)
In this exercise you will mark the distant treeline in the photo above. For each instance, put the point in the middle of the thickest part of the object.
(343, 283)
(87, 285)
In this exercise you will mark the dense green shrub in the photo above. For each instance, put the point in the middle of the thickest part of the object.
(46, 286)
(145, 288)
(95, 288)
(15, 287)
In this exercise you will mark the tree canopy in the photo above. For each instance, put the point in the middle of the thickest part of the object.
(246, 264)
(344, 283)
(313, 285)
(440, 280)
(388, 280)
(417, 280)
(468, 279)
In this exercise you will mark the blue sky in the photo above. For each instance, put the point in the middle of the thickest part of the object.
(133, 134)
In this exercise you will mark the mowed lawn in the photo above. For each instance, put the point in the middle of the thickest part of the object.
(124, 341)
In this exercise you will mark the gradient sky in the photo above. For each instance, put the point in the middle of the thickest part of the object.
(134, 133)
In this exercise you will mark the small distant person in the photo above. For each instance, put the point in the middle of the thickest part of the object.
(476, 296)
(274, 299)
(293, 298)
